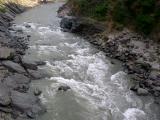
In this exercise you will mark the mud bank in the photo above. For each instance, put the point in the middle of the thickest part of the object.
(17, 100)
(140, 55)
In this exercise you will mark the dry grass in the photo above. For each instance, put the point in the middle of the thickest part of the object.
(27, 3)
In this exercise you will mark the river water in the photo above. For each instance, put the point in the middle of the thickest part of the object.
(99, 88)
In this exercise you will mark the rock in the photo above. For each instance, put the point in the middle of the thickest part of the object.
(68, 23)
(5, 99)
(39, 63)
(63, 88)
(27, 26)
(27, 103)
(37, 74)
(142, 92)
(29, 64)
(6, 53)
(5, 109)
(37, 92)
(141, 69)
(17, 82)
(12, 66)
(80, 25)
(134, 87)
(157, 89)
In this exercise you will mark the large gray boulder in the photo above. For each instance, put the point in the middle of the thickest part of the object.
(80, 25)
(6, 53)
(17, 82)
(38, 74)
(27, 103)
(12, 66)
(142, 92)
(29, 64)
(68, 23)
(5, 99)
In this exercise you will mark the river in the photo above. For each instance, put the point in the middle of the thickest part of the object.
(99, 87)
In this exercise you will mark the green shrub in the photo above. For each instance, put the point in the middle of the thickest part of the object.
(143, 15)
(145, 23)
(120, 13)
(100, 11)
(2, 9)
(92, 8)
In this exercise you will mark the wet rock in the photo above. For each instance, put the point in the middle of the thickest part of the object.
(27, 103)
(6, 53)
(12, 66)
(141, 69)
(63, 88)
(157, 100)
(17, 82)
(37, 92)
(39, 63)
(27, 26)
(5, 99)
(157, 88)
(29, 64)
(37, 74)
(5, 109)
(68, 23)
(79, 25)
(134, 87)
(142, 92)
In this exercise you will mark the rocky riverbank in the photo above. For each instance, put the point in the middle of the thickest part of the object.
(140, 55)
(17, 100)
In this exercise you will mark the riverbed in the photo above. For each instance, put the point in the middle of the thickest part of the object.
(99, 87)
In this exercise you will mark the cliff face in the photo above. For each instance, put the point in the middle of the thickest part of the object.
(140, 16)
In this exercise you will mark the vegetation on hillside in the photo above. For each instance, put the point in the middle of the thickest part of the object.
(142, 15)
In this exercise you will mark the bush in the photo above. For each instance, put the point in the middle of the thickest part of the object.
(2, 9)
(100, 11)
(92, 8)
(120, 13)
(145, 23)
(142, 15)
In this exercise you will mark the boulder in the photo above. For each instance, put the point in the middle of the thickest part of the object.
(17, 82)
(29, 64)
(37, 92)
(68, 23)
(15, 67)
(157, 89)
(5, 109)
(27, 103)
(6, 53)
(39, 63)
(37, 74)
(80, 25)
(5, 99)
(64, 88)
(142, 92)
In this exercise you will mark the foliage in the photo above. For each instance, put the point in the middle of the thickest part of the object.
(142, 14)
(93, 8)
(145, 23)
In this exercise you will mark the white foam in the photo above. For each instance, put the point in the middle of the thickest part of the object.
(48, 31)
(86, 90)
(134, 114)
(120, 80)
